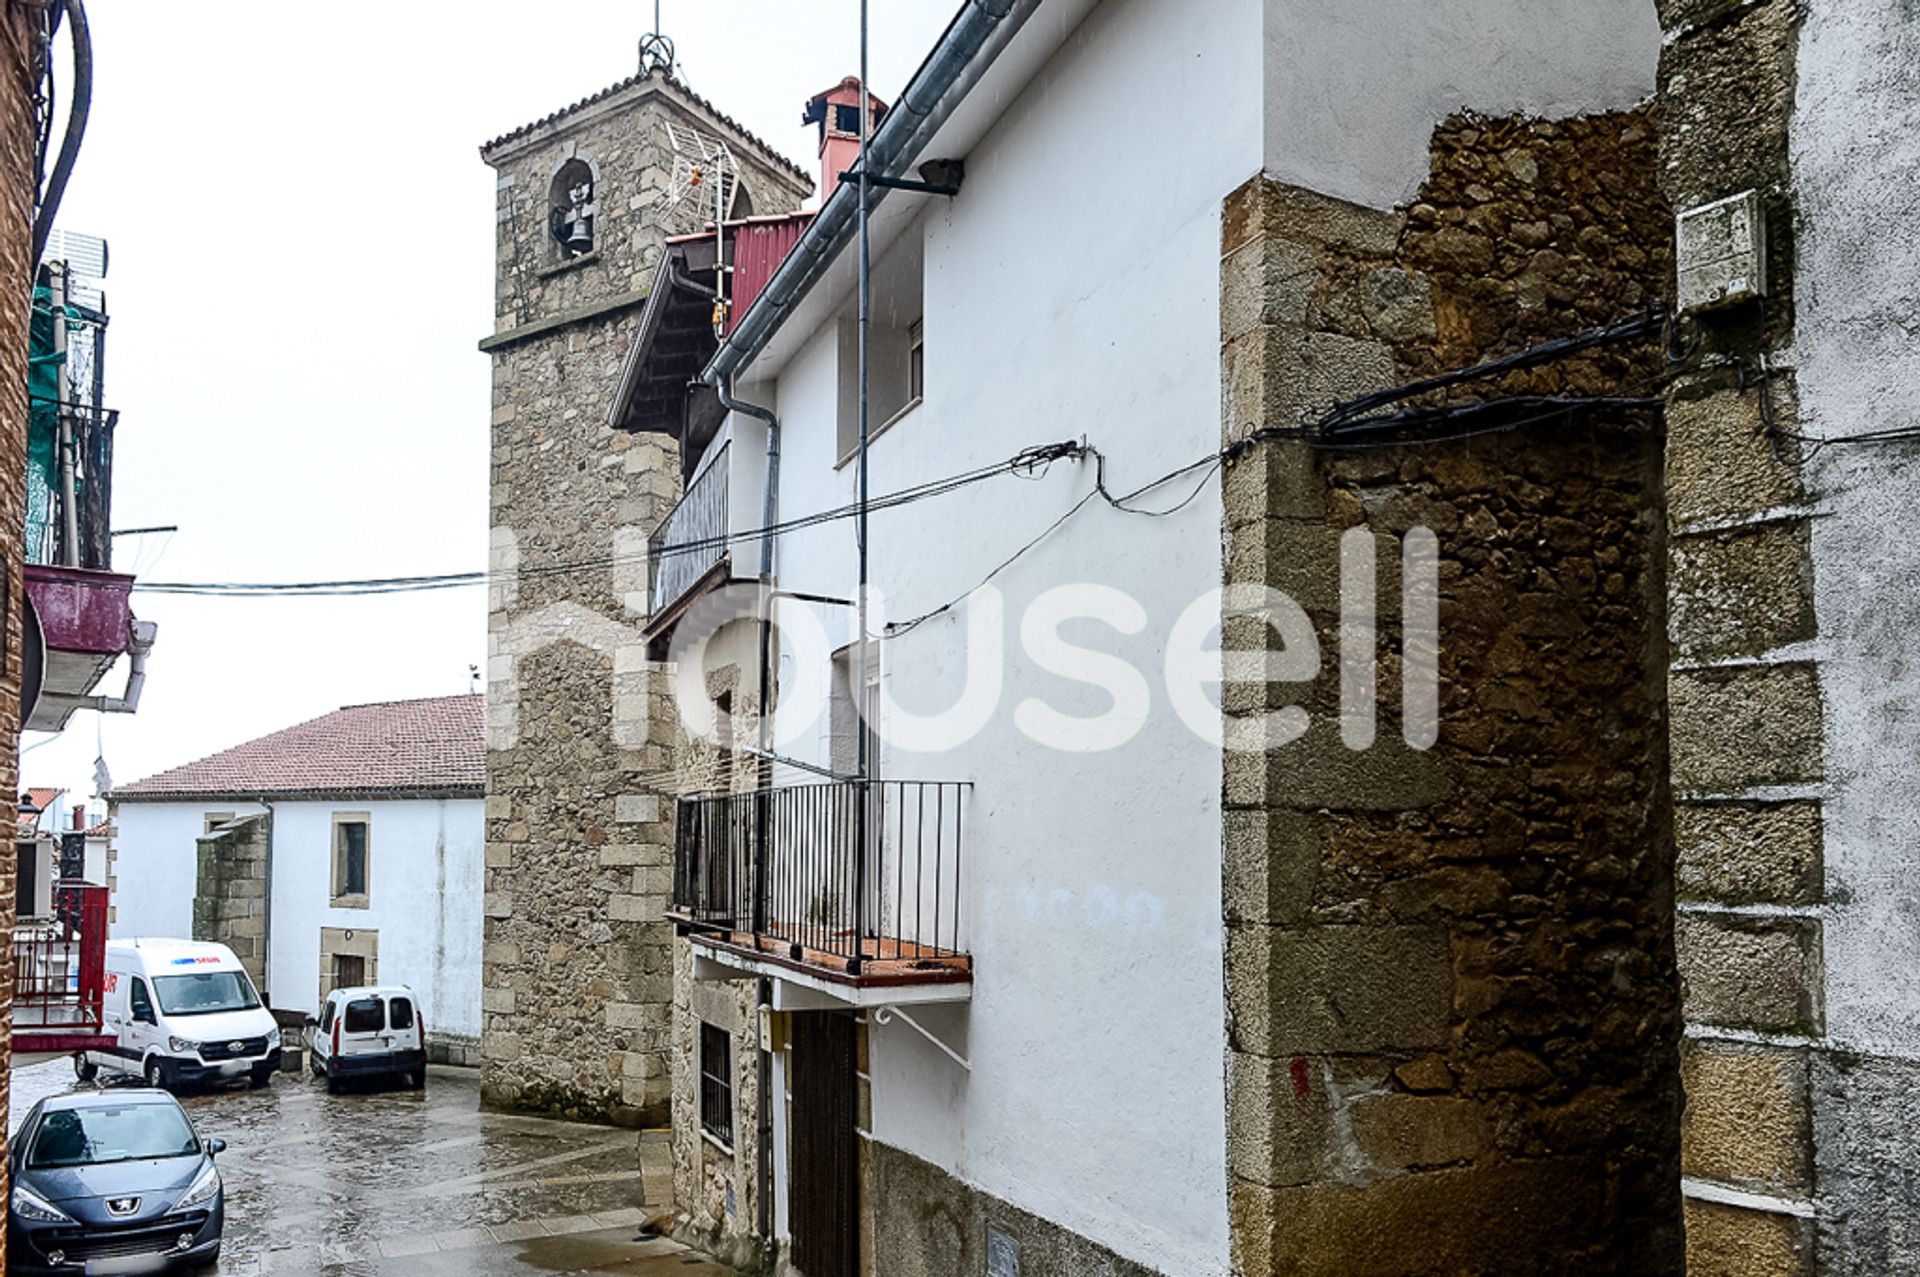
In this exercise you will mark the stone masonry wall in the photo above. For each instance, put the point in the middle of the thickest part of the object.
(1453, 1020)
(1791, 605)
(17, 135)
(230, 893)
(1746, 724)
(577, 967)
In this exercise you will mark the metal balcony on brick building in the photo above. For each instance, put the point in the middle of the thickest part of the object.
(775, 882)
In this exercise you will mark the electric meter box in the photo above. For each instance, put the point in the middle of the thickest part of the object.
(1722, 252)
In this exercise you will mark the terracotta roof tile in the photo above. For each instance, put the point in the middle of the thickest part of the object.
(392, 747)
(42, 798)
(629, 82)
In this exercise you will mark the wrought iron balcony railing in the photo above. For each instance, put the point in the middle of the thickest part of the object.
(780, 873)
(692, 540)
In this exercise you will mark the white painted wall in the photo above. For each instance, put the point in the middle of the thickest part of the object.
(425, 857)
(1856, 141)
(1072, 290)
(1354, 90)
(158, 865)
(1058, 303)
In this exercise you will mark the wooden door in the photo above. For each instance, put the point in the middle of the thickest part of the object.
(823, 1169)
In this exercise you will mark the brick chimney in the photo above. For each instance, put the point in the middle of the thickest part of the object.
(837, 112)
(79, 816)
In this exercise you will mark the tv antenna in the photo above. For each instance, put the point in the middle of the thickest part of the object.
(656, 50)
(703, 184)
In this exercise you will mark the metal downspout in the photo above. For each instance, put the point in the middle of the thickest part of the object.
(763, 991)
(266, 913)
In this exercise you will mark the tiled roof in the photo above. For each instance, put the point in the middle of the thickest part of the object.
(678, 84)
(42, 798)
(434, 746)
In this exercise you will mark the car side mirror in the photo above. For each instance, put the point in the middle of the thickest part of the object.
(216, 1146)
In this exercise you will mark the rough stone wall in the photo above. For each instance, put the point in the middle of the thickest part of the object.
(577, 967)
(1453, 1018)
(1746, 729)
(1791, 573)
(16, 271)
(230, 893)
(717, 1187)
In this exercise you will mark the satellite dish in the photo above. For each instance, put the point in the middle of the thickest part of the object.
(704, 182)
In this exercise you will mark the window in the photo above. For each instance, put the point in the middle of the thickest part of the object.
(141, 1003)
(205, 993)
(350, 866)
(326, 1018)
(716, 1083)
(123, 1133)
(364, 1015)
(571, 209)
(896, 346)
(400, 1013)
(215, 819)
(916, 361)
(846, 118)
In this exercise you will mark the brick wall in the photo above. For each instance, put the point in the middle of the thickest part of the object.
(1453, 1015)
(16, 269)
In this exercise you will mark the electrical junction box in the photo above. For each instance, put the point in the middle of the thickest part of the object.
(1722, 250)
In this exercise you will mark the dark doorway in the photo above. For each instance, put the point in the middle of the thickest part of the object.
(823, 1197)
(349, 970)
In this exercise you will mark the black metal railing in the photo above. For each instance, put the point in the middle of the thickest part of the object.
(783, 870)
(692, 538)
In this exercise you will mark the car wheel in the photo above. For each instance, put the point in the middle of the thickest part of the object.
(83, 1068)
(156, 1073)
(417, 1080)
(333, 1084)
(261, 1076)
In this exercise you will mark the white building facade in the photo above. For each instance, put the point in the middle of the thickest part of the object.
(1023, 989)
(364, 832)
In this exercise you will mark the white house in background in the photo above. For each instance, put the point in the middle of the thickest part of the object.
(373, 846)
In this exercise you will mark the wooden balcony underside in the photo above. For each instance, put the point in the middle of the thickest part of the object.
(885, 962)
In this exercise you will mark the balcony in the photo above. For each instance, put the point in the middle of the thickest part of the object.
(774, 883)
(689, 548)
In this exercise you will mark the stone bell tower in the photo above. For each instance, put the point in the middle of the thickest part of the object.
(578, 978)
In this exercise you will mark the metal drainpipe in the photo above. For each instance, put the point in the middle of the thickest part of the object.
(763, 988)
(266, 915)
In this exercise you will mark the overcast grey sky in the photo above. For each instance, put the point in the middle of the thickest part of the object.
(301, 234)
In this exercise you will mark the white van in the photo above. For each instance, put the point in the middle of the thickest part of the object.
(182, 1012)
(368, 1030)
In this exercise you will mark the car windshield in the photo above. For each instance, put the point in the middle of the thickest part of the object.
(205, 992)
(112, 1133)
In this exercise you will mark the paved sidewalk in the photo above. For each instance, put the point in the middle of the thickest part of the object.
(388, 1181)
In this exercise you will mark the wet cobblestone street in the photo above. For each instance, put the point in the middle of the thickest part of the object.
(385, 1182)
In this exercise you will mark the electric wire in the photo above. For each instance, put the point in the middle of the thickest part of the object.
(1344, 427)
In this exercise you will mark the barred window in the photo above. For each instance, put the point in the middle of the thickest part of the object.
(716, 1083)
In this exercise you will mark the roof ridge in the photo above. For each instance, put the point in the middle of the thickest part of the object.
(665, 77)
(408, 700)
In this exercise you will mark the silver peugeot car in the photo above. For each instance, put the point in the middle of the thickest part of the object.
(113, 1182)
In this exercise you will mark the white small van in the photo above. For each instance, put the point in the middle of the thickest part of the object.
(182, 1012)
(367, 1031)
